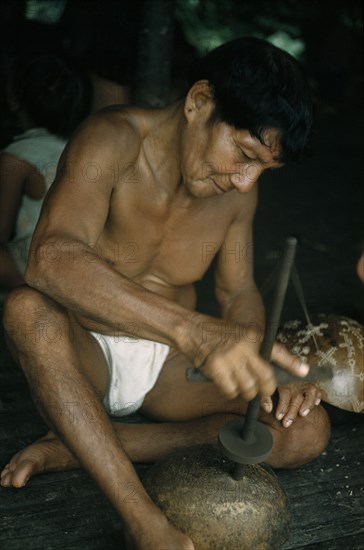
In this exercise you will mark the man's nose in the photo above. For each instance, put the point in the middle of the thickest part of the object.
(245, 177)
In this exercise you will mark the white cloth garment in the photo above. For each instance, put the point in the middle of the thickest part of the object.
(42, 150)
(134, 366)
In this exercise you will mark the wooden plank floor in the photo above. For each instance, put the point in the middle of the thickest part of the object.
(67, 511)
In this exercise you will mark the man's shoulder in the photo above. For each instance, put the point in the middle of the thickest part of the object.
(115, 126)
(106, 136)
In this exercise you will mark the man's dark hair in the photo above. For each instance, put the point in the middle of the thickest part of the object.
(257, 86)
(51, 89)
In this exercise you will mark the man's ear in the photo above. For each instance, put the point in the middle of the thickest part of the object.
(199, 100)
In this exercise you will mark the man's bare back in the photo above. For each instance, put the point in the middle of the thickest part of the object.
(142, 202)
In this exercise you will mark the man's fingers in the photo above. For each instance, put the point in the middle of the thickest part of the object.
(234, 383)
(296, 399)
(283, 402)
(288, 361)
(312, 398)
(288, 406)
(267, 404)
(245, 381)
(226, 385)
(265, 376)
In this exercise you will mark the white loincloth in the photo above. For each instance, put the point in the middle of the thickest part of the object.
(134, 366)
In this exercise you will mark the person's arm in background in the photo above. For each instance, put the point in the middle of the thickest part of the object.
(17, 178)
(12, 181)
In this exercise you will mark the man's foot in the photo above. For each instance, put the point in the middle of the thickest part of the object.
(157, 533)
(49, 454)
(44, 455)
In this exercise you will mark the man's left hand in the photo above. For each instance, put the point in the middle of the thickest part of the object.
(294, 399)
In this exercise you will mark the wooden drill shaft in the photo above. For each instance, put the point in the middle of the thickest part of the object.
(268, 341)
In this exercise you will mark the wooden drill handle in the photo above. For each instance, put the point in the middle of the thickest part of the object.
(271, 329)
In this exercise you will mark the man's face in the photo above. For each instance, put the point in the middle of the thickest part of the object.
(217, 158)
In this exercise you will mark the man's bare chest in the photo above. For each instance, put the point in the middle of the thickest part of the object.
(144, 237)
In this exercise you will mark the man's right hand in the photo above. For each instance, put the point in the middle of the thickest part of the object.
(237, 368)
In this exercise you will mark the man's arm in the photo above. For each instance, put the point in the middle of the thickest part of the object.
(231, 346)
(241, 303)
(235, 288)
(64, 265)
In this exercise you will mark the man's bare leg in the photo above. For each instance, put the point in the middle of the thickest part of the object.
(55, 354)
(145, 443)
(175, 399)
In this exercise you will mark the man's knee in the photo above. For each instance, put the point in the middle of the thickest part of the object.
(317, 432)
(307, 438)
(20, 303)
(28, 316)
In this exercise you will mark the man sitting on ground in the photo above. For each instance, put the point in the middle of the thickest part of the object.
(108, 324)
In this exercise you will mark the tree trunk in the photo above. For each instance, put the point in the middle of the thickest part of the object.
(153, 74)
